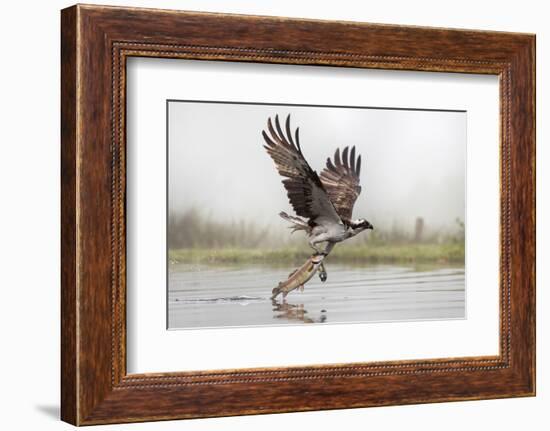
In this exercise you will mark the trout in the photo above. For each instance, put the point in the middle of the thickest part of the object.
(300, 276)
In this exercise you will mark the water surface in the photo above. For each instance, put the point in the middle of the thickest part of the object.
(237, 295)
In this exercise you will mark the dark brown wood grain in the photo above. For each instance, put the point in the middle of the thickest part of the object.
(68, 217)
(96, 41)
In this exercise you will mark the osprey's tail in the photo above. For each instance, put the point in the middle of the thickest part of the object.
(297, 222)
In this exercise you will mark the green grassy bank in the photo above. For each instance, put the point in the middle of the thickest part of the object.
(371, 253)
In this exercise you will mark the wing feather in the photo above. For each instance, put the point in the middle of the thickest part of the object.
(341, 181)
(304, 188)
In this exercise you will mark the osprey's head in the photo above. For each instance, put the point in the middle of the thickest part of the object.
(360, 225)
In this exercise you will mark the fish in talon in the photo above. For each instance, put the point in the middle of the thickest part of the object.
(298, 278)
(322, 203)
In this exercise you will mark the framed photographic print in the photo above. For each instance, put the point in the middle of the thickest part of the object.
(225, 253)
(258, 208)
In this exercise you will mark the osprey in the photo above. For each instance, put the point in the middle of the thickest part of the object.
(323, 204)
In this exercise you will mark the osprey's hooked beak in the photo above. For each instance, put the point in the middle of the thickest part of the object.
(364, 224)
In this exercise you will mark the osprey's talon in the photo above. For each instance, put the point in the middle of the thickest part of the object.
(322, 273)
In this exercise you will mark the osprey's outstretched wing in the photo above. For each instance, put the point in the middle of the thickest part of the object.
(341, 181)
(304, 188)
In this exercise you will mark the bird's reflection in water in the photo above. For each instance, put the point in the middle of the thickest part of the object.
(289, 311)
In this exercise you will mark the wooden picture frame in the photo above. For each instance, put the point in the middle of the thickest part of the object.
(95, 43)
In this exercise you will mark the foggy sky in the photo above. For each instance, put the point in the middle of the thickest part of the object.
(413, 161)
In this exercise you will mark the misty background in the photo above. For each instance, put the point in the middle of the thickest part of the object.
(224, 190)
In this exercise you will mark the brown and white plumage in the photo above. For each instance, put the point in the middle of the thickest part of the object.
(305, 190)
(326, 201)
(341, 181)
